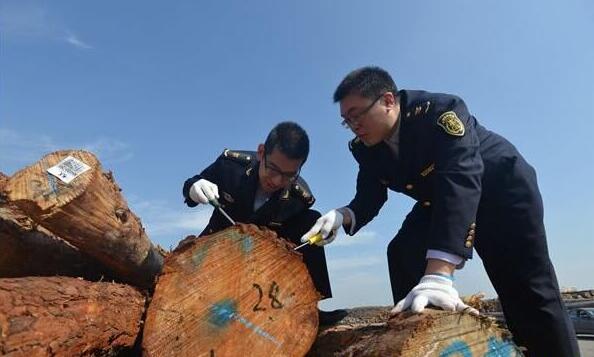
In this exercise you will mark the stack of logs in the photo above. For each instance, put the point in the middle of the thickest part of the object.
(79, 276)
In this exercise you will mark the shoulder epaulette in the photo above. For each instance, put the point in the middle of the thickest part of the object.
(418, 109)
(302, 191)
(239, 156)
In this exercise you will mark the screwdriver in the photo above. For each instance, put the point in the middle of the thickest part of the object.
(312, 240)
(215, 203)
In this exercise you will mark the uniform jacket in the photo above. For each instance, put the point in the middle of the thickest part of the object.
(236, 175)
(444, 159)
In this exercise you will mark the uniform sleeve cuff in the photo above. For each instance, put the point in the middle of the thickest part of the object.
(446, 257)
(353, 220)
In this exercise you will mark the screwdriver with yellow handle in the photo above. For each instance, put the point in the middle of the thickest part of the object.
(316, 238)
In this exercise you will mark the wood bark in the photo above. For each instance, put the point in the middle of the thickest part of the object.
(27, 249)
(238, 292)
(371, 332)
(90, 213)
(60, 316)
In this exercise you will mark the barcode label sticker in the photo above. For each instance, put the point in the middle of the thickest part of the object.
(68, 169)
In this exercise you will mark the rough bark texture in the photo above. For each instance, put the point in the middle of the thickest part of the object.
(60, 316)
(90, 213)
(239, 292)
(371, 332)
(27, 249)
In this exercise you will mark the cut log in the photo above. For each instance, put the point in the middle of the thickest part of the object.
(238, 292)
(27, 249)
(89, 212)
(60, 316)
(371, 332)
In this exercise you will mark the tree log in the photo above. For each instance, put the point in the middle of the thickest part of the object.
(60, 316)
(27, 249)
(371, 332)
(90, 213)
(238, 292)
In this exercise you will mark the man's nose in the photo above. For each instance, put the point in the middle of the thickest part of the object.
(277, 180)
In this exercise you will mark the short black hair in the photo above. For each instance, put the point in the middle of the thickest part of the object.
(369, 82)
(290, 139)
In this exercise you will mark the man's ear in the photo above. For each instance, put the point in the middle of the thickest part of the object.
(389, 99)
(260, 152)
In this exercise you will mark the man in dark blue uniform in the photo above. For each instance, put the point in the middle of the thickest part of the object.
(473, 189)
(264, 188)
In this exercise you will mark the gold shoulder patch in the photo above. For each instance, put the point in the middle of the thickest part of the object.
(450, 122)
(237, 156)
(305, 195)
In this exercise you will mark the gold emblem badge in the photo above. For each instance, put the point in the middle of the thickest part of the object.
(451, 123)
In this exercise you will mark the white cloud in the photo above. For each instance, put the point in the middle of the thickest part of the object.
(73, 40)
(166, 225)
(18, 150)
(361, 238)
(109, 150)
(29, 20)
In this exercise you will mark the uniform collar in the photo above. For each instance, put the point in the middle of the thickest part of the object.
(393, 141)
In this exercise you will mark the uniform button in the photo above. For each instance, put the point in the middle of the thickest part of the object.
(469, 238)
(468, 244)
(409, 186)
(426, 203)
(473, 226)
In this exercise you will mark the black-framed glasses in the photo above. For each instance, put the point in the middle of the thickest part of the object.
(352, 120)
(276, 172)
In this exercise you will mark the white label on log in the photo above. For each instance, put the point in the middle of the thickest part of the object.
(68, 169)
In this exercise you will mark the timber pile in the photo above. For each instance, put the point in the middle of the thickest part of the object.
(241, 291)
(89, 212)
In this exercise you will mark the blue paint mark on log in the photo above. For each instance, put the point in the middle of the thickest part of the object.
(257, 329)
(222, 313)
(499, 348)
(247, 244)
(199, 255)
(52, 183)
(456, 348)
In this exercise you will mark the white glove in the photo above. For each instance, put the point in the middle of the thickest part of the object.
(203, 191)
(327, 225)
(435, 290)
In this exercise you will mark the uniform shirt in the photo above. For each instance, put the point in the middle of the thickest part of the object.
(236, 175)
(443, 160)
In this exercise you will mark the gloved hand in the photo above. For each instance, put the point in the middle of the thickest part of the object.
(202, 191)
(327, 225)
(436, 290)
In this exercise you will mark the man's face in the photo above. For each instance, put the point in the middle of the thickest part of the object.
(276, 170)
(370, 119)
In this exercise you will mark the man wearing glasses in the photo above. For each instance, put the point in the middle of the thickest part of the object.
(264, 188)
(472, 189)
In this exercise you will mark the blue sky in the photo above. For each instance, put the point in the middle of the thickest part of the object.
(158, 89)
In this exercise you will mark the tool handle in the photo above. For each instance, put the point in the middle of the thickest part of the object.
(315, 238)
(215, 203)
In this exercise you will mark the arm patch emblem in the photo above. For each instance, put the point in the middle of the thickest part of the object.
(450, 122)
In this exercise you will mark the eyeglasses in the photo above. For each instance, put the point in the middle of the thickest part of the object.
(275, 172)
(349, 122)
